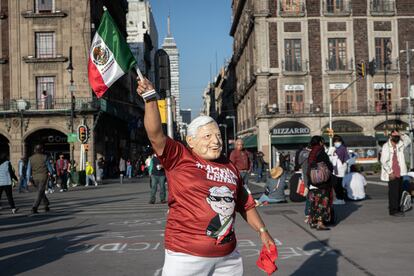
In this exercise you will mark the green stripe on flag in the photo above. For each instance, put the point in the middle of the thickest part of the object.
(112, 37)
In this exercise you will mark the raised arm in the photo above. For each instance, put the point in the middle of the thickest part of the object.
(152, 120)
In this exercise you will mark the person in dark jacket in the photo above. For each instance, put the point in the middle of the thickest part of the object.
(40, 170)
(320, 195)
(6, 176)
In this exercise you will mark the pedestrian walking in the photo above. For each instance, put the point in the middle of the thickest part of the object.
(122, 166)
(260, 166)
(240, 159)
(22, 173)
(62, 166)
(40, 170)
(157, 178)
(129, 168)
(320, 190)
(100, 165)
(6, 176)
(204, 191)
(394, 168)
(339, 158)
(89, 175)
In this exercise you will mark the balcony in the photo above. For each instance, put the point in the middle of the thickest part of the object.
(337, 8)
(52, 104)
(393, 66)
(382, 7)
(51, 14)
(339, 66)
(295, 67)
(33, 59)
(288, 9)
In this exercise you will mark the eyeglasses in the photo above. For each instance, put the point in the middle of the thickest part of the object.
(219, 198)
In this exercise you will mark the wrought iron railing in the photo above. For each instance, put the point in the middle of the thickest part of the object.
(382, 7)
(50, 104)
(338, 64)
(337, 7)
(295, 66)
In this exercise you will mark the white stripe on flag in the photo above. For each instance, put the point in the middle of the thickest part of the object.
(110, 71)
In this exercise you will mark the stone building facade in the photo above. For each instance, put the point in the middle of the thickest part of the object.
(35, 84)
(294, 59)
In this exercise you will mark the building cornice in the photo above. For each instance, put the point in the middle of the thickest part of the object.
(237, 16)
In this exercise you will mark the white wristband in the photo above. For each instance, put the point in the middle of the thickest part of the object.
(150, 95)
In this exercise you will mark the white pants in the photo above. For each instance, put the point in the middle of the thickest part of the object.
(181, 264)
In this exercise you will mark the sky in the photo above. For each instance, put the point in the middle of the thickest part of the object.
(201, 30)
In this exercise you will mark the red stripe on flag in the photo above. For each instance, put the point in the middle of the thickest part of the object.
(95, 80)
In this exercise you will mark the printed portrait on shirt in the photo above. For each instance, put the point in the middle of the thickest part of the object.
(222, 202)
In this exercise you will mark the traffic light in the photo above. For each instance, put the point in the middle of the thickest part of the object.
(330, 132)
(372, 67)
(162, 72)
(83, 134)
(361, 70)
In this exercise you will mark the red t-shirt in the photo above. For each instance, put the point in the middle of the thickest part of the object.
(203, 197)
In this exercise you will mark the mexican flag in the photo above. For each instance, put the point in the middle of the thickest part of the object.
(109, 57)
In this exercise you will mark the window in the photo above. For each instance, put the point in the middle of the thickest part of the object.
(44, 6)
(380, 53)
(45, 45)
(291, 6)
(45, 90)
(337, 54)
(294, 101)
(380, 103)
(334, 6)
(293, 55)
(382, 6)
(340, 104)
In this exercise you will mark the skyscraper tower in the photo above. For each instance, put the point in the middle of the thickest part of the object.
(170, 47)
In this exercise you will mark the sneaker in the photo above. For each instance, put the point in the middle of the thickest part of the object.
(61, 190)
(96, 184)
(14, 210)
(34, 211)
(86, 185)
(398, 214)
(47, 209)
(338, 202)
(151, 202)
(47, 191)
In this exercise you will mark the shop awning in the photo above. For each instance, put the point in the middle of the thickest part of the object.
(278, 140)
(380, 136)
(250, 141)
(356, 140)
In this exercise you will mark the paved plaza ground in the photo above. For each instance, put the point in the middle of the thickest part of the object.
(112, 230)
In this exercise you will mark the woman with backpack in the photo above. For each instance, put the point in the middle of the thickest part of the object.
(6, 176)
(319, 174)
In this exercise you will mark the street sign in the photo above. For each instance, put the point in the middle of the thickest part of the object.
(72, 137)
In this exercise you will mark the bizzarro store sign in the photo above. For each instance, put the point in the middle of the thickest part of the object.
(290, 129)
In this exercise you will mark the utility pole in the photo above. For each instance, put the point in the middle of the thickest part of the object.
(387, 61)
(410, 99)
(72, 105)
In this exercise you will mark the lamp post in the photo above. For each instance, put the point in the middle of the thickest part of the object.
(233, 118)
(410, 97)
(72, 105)
(21, 105)
(225, 136)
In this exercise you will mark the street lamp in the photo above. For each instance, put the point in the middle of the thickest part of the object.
(72, 104)
(225, 136)
(233, 118)
(22, 106)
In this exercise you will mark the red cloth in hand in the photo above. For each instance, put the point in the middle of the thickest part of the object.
(266, 260)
